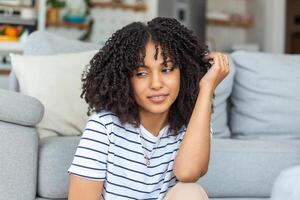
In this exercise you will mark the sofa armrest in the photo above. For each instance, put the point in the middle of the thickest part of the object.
(18, 161)
(18, 145)
(20, 109)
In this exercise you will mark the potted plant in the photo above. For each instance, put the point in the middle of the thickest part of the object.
(54, 6)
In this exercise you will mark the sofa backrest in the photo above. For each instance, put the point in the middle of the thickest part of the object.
(265, 96)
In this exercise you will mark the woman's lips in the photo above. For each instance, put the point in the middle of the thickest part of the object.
(158, 99)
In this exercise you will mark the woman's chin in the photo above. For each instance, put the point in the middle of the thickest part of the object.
(157, 109)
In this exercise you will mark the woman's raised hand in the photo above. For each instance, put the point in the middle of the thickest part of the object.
(218, 71)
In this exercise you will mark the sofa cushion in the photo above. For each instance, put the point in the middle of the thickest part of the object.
(55, 80)
(265, 96)
(247, 168)
(56, 155)
(221, 104)
(238, 168)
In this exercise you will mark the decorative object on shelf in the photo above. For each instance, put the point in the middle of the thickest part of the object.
(74, 19)
(76, 11)
(4, 71)
(75, 15)
(11, 33)
(28, 13)
(53, 16)
(18, 14)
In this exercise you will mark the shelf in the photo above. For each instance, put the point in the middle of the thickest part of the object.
(4, 71)
(137, 7)
(231, 22)
(81, 26)
(16, 6)
(17, 21)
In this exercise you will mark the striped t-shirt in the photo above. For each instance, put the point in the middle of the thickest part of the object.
(113, 153)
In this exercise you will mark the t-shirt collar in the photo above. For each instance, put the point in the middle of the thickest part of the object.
(148, 134)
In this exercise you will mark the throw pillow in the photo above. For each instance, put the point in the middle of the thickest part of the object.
(266, 96)
(55, 80)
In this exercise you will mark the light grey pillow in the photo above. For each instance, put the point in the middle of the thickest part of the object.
(45, 43)
(266, 96)
(221, 105)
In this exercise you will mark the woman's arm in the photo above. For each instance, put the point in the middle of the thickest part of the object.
(84, 189)
(193, 155)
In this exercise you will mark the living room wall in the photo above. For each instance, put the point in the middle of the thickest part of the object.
(268, 30)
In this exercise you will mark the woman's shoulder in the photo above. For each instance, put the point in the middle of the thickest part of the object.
(104, 116)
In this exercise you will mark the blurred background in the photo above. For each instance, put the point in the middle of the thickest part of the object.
(224, 25)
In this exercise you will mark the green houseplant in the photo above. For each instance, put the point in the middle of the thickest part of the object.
(53, 11)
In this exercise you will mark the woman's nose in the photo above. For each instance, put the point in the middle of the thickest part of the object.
(156, 81)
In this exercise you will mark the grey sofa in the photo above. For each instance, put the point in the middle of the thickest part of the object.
(241, 168)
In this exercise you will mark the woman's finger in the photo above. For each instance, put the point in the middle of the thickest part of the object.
(225, 68)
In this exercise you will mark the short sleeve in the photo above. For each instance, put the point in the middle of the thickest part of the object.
(90, 158)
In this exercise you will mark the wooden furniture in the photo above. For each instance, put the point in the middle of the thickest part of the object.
(232, 22)
(14, 18)
(4, 71)
(292, 27)
(135, 7)
(81, 26)
(139, 7)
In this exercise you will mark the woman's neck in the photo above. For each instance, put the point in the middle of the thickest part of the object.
(153, 122)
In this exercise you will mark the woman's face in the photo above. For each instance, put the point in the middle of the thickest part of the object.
(155, 85)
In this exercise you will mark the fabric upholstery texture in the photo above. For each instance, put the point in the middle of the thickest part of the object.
(18, 161)
(45, 43)
(282, 187)
(29, 111)
(255, 163)
(265, 96)
(55, 80)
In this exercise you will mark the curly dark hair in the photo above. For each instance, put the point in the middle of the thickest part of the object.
(106, 83)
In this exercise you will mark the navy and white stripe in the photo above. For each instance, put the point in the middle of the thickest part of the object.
(111, 152)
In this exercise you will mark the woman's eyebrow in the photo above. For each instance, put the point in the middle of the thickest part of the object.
(145, 66)
(167, 61)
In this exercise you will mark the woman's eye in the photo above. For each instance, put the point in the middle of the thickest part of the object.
(141, 74)
(169, 69)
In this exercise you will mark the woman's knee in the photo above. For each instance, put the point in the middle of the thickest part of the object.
(188, 191)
